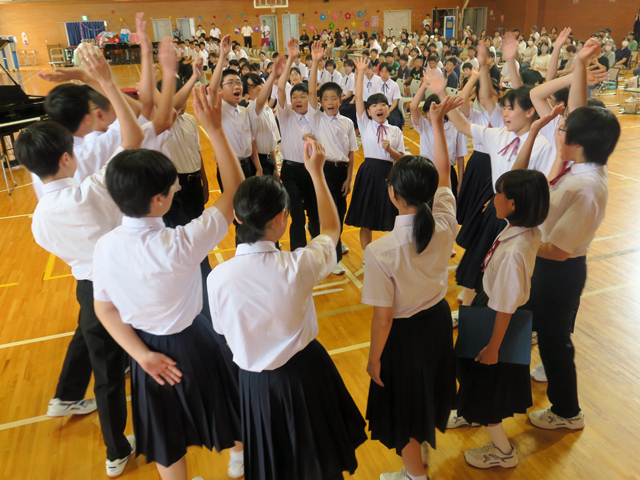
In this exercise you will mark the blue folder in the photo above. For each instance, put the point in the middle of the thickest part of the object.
(476, 327)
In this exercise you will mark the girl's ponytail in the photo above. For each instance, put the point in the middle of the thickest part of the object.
(423, 227)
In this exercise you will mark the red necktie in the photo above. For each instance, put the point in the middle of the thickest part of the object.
(511, 149)
(566, 166)
(489, 255)
(382, 131)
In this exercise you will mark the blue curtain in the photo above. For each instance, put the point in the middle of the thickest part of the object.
(73, 32)
(91, 29)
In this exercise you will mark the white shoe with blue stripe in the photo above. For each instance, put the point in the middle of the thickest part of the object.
(115, 468)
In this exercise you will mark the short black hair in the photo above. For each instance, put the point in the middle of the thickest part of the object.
(519, 96)
(330, 62)
(257, 201)
(404, 57)
(468, 65)
(452, 61)
(375, 99)
(596, 129)
(562, 95)
(134, 177)
(349, 63)
(98, 99)
(471, 47)
(255, 80)
(227, 73)
(300, 87)
(386, 66)
(426, 106)
(365, 53)
(40, 146)
(295, 69)
(433, 58)
(529, 190)
(330, 87)
(233, 63)
(67, 105)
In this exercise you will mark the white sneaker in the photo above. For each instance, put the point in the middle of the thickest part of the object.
(338, 270)
(550, 421)
(399, 475)
(538, 373)
(424, 447)
(534, 338)
(456, 422)
(115, 468)
(454, 317)
(58, 408)
(491, 456)
(461, 297)
(236, 469)
(345, 249)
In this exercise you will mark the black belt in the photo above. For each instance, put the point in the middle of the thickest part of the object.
(332, 163)
(189, 176)
(244, 161)
(292, 163)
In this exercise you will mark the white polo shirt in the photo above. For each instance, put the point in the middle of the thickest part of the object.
(246, 31)
(456, 141)
(349, 84)
(264, 334)
(236, 124)
(214, 32)
(265, 128)
(183, 147)
(336, 134)
(293, 126)
(369, 133)
(389, 89)
(369, 86)
(484, 119)
(151, 273)
(577, 208)
(396, 275)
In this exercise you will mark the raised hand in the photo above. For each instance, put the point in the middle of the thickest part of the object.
(545, 119)
(562, 38)
(95, 64)
(509, 46)
(590, 50)
(59, 75)
(596, 74)
(483, 54)
(317, 52)
(448, 103)
(436, 82)
(293, 48)
(313, 156)
(225, 47)
(140, 36)
(198, 66)
(208, 108)
(279, 67)
(361, 64)
(167, 57)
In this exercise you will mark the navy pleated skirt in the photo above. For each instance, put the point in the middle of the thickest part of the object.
(469, 271)
(475, 191)
(490, 393)
(370, 205)
(349, 110)
(418, 369)
(202, 410)
(299, 421)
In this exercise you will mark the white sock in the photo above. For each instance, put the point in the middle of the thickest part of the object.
(237, 457)
(499, 438)
(417, 477)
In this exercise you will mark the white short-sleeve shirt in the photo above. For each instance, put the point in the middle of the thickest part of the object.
(399, 277)
(287, 89)
(577, 208)
(389, 89)
(336, 134)
(70, 219)
(152, 273)
(349, 84)
(369, 86)
(496, 139)
(293, 126)
(183, 147)
(246, 31)
(335, 77)
(214, 32)
(507, 278)
(304, 70)
(265, 128)
(262, 300)
(369, 134)
(236, 124)
(484, 119)
(456, 141)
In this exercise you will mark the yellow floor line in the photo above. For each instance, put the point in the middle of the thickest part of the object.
(9, 285)
(35, 340)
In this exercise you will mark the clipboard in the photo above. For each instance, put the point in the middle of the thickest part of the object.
(476, 327)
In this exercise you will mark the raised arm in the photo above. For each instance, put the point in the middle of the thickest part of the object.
(579, 92)
(292, 46)
(317, 53)
(314, 163)
(361, 64)
(208, 110)
(181, 97)
(146, 87)
(416, 116)
(165, 114)
(98, 68)
(522, 161)
(509, 53)
(276, 73)
(543, 91)
(485, 97)
(552, 72)
(438, 86)
(214, 81)
(467, 89)
(440, 150)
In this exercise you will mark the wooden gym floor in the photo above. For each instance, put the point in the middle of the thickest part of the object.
(39, 314)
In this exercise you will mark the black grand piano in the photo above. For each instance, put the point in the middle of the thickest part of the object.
(17, 111)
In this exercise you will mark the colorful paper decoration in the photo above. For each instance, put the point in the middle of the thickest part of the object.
(332, 25)
(112, 12)
(312, 27)
(375, 32)
(347, 16)
(335, 15)
(185, 16)
(353, 23)
(366, 24)
(242, 14)
(237, 30)
(323, 17)
(228, 16)
(360, 14)
(121, 20)
(170, 17)
(256, 28)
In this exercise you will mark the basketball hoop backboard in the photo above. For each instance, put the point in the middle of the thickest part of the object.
(272, 4)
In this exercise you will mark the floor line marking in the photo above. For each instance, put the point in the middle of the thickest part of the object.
(49, 269)
(36, 340)
(352, 277)
(613, 254)
(336, 351)
(218, 255)
(615, 236)
(9, 285)
(338, 311)
(324, 292)
(28, 215)
(332, 284)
